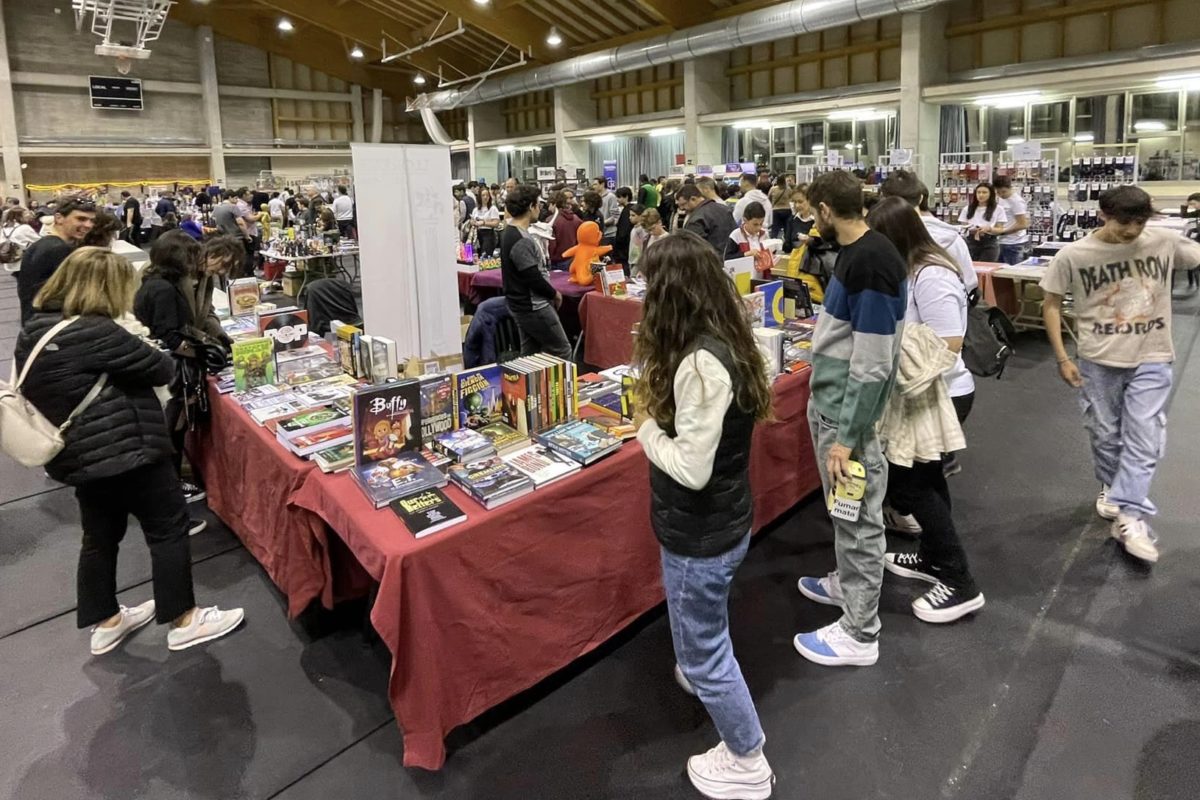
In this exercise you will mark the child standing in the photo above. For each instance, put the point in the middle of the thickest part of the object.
(703, 386)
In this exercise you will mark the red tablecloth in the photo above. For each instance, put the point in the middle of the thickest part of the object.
(606, 323)
(482, 611)
(475, 287)
(997, 292)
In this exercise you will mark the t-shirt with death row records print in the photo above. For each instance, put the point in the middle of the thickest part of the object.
(1122, 294)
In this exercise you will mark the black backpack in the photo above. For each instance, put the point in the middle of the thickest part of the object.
(987, 345)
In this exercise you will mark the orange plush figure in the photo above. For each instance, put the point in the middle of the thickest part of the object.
(585, 252)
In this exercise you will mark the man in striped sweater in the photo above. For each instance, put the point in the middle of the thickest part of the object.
(854, 360)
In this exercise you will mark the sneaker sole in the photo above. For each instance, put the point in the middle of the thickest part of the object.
(731, 791)
(824, 600)
(209, 638)
(113, 645)
(1110, 515)
(197, 497)
(950, 614)
(903, 531)
(905, 572)
(201, 528)
(834, 661)
(1150, 557)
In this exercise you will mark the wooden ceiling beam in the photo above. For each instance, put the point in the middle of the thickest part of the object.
(678, 14)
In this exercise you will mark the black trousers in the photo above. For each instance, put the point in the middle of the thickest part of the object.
(921, 490)
(152, 495)
(542, 332)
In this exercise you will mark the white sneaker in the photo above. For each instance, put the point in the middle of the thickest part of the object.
(1136, 537)
(893, 520)
(196, 526)
(104, 640)
(683, 682)
(721, 775)
(1104, 507)
(831, 646)
(827, 590)
(207, 624)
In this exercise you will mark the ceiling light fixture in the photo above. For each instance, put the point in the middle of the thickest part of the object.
(1084, 138)
(1190, 80)
(285, 25)
(1014, 100)
(1012, 140)
(505, 148)
(1149, 126)
(419, 80)
(663, 131)
(481, 2)
(743, 124)
(554, 38)
(608, 137)
(356, 52)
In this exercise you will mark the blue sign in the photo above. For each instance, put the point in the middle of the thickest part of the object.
(610, 174)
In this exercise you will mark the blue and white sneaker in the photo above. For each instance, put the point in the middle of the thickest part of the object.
(827, 590)
(831, 646)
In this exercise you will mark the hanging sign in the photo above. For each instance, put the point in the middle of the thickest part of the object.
(545, 173)
(1027, 151)
(610, 174)
(901, 157)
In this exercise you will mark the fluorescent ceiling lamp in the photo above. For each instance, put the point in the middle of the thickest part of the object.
(860, 114)
(531, 149)
(1149, 125)
(505, 148)
(481, 2)
(356, 52)
(1010, 141)
(554, 38)
(818, 148)
(285, 25)
(602, 139)
(1189, 80)
(751, 123)
(419, 80)
(1015, 100)
(1085, 137)
(663, 131)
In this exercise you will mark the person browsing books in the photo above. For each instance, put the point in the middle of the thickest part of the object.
(750, 236)
(117, 453)
(703, 386)
(525, 272)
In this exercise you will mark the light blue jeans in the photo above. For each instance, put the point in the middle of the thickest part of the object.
(698, 607)
(1124, 411)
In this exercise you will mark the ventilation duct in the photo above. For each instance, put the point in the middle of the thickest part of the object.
(753, 27)
(434, 126)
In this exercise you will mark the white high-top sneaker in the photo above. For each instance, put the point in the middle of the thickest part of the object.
(722, 775)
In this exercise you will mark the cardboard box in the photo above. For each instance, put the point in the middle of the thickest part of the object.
(292, 284)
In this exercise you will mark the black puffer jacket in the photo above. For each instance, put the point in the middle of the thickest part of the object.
(123, 428)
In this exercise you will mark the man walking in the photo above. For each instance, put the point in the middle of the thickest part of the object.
(854, 353)
(1120, 280)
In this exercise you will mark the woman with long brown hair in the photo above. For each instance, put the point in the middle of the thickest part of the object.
(702, 387)
(937, 298)
(117, 453)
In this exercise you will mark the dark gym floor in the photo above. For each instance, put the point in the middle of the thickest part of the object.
(1080, 678)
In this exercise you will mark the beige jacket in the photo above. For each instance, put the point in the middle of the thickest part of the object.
(919, 423)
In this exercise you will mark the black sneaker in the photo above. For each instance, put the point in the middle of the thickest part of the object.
(192, 492)
(196, 526)
(943, 604)
(909, 565)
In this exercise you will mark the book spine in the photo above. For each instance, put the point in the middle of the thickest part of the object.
(531, 398)
(574, 395)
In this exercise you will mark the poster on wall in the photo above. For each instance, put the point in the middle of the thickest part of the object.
(610, 174)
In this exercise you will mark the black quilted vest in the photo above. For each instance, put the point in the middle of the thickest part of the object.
(706, 523)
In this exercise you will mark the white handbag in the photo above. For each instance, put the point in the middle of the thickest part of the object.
(25, 434)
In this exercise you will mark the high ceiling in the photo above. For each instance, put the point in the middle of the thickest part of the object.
(325, 31)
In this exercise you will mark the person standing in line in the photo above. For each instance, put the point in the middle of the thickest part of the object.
(647, 192)
(750, 194)
(703, 386)
(1014, 237)
(984, 216)
(854, 355)
(73, 219)
(708, 219)
(915, 477)
(525, 271)
(117, 451)
(1120, 279)
(343, 212)
(609, 210)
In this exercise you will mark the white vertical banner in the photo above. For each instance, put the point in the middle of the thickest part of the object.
(406, 228)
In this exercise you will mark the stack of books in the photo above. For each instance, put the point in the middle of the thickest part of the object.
(316, 429)
(504, 438)
(579, 441)
(539, 391)
(464, 445)
(491, 482)
(541, 465)
(398, 476)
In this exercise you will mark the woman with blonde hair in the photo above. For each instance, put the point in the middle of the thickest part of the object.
(117, 452)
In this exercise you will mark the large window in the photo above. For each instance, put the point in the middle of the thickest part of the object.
(812, 138)
(1005, 127)
(1050, 120)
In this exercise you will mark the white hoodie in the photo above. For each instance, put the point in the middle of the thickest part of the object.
(948, 238)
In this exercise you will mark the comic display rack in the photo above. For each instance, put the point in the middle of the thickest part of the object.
(1037, 181)
(809, 167)
(958, 174)
(884, 166)
(1107, 167)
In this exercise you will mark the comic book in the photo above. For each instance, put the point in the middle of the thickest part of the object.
(253, 363)
(387, 421)
(478, 396)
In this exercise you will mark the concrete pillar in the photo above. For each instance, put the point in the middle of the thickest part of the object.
(356, 114)
(14, 178)
(210, 99)
(472, 138)
(705, 91)
(574, 109)
(922, 63)
(376, 116)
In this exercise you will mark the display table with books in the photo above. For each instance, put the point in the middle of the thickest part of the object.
(482, 610)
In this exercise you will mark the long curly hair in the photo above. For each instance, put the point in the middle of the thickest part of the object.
(688, 295)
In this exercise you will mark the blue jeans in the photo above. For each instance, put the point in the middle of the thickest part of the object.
(1014, 253)
(1124, 411)
(698, 607)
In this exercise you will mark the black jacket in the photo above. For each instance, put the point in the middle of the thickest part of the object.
(123, 428)
(620, 251)
(708, 522)
(163, 307)
(713, 222)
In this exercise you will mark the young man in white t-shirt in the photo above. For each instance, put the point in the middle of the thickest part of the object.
(1014, 241)
(1120, 279)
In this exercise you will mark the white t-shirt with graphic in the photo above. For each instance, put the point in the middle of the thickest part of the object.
(1013, 207)
(1122, 294)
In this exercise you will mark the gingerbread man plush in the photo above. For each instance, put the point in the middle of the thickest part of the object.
(585, 252)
